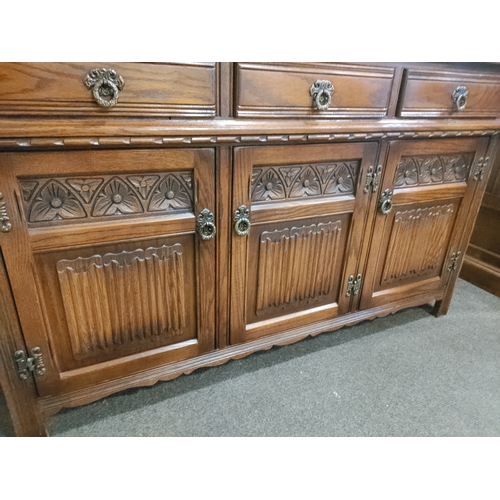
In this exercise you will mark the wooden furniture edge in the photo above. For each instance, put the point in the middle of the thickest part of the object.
(481, 274)
(52, 404)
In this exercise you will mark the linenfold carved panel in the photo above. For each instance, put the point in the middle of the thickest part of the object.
(301, 181)
(68, 198)
(123, 299)
(296, 264)
(433, 169)
(418, 242)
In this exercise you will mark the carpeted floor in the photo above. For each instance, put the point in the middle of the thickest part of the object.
(408, 374)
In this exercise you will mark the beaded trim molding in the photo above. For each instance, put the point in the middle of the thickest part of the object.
(158, 141)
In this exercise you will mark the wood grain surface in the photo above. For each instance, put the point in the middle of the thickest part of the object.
(104, 267)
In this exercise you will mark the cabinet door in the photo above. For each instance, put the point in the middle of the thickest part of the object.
(109, 273)
(415, 244)
(307, 212)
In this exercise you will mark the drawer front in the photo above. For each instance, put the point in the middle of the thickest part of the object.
(284, 90)
(431, 94)
(179, 90)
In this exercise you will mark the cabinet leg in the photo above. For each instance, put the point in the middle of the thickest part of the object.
(441, 308)
(24, 415)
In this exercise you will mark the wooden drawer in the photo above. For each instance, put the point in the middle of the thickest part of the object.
(283, 90)
(187, 90)
(430, 94)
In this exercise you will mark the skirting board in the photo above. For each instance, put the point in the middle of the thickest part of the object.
(483, 275)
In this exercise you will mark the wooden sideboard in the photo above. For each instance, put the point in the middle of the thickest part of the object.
(158, 218)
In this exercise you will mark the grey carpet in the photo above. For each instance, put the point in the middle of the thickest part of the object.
(408, 374)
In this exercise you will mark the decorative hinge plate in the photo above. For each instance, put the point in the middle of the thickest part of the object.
(353, 285)
(5, 225)
(27, 365)
(481, 168)
(372, 179)
(455, 257)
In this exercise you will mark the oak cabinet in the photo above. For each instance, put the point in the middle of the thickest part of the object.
(416, 244)
(108, 248)
(307, 209)
(135, 248)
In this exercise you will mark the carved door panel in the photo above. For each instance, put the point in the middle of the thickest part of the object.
(124, 282)
(416, 242)
(307, 213)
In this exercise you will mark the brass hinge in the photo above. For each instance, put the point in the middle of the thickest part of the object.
(452, 265)
(27, 365)
(353, 285)
(481, 168)
(372, 179)
(5, 225)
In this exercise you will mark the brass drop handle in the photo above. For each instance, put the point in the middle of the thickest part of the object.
(459, 97)
(241, 221)
(5, 225)
(205, 225)
(105, 85)
(385, 202)
(321, 92)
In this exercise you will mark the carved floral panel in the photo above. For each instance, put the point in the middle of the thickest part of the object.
(70, 198)
(433, 169)
(303, 181)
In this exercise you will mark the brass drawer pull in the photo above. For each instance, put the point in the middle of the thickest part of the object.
(5, 225)
(105, 85)
(205, 225)
(322, 91)
(242, 221)
(459, 96)
(385, 202)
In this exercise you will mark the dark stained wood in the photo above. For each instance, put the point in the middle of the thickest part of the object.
(482, 262)
(480, 273)
(104, 269)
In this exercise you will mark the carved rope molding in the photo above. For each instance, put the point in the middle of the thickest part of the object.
(158, 141)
